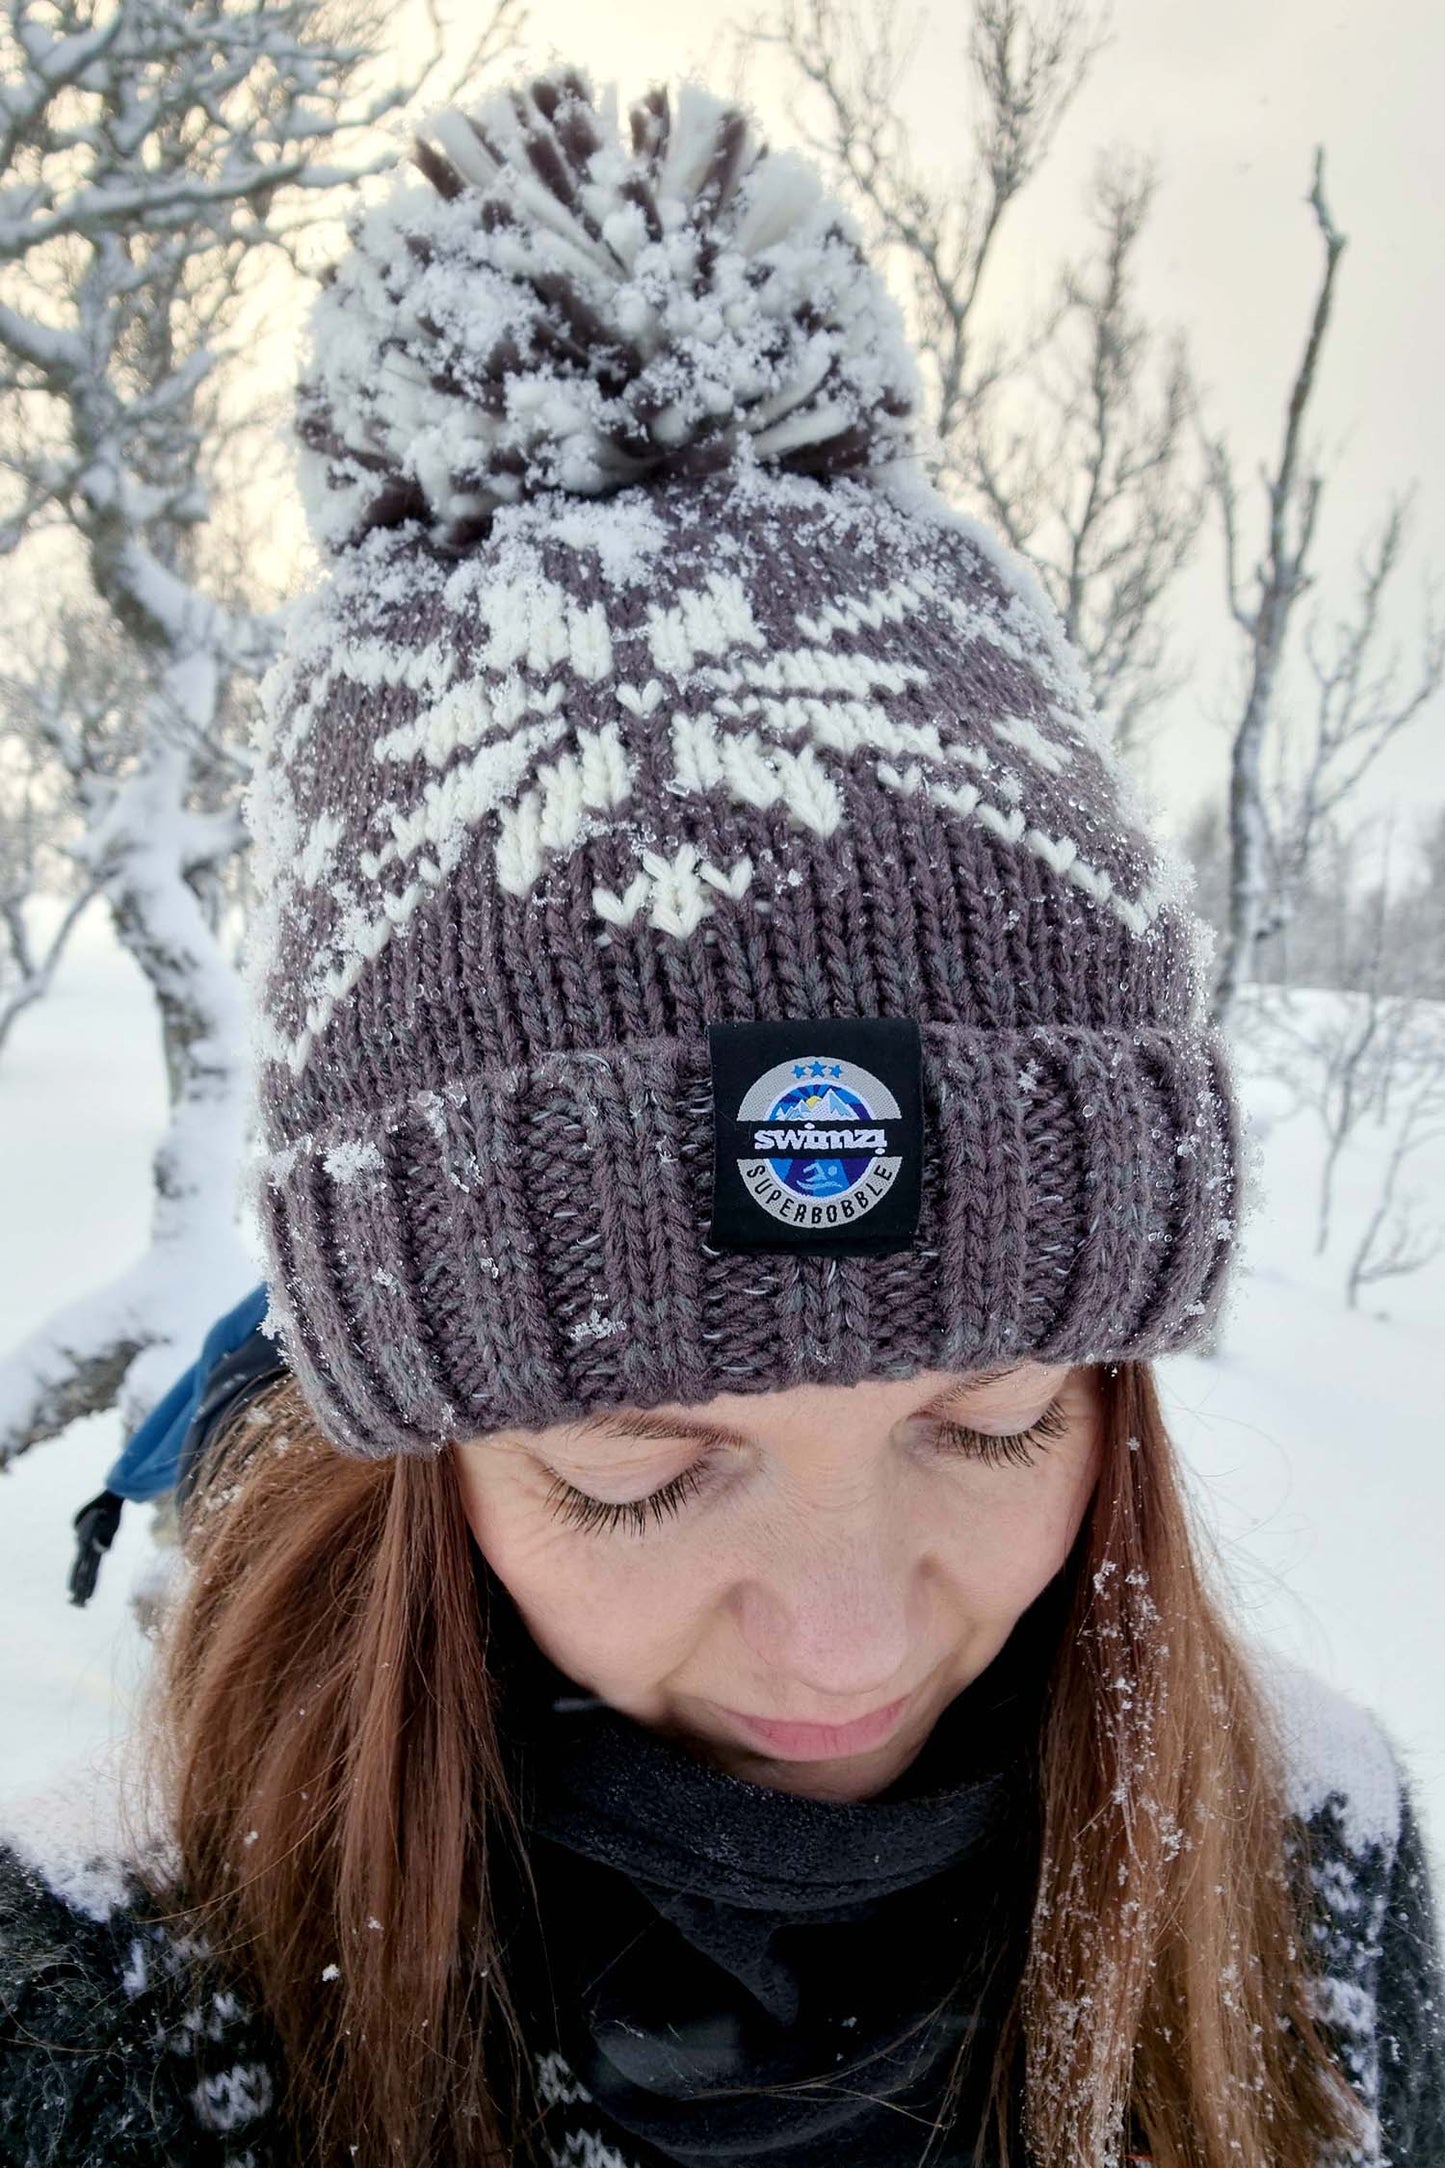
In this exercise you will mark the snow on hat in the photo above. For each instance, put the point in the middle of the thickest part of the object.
(706, 941)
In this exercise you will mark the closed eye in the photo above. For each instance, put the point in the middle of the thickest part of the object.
(579, 1509)
(1016, 1447)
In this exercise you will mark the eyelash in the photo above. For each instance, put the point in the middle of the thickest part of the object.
(585, 1512)
(1019, 1448)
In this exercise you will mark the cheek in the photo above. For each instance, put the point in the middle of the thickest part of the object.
(1009, 1531)
(614, 1614)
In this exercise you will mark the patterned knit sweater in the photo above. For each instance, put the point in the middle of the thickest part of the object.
(109, 2060)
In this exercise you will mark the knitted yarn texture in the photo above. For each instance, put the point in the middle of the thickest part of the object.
(652, 687)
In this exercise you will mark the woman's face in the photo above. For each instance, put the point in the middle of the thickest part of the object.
(797, 1582)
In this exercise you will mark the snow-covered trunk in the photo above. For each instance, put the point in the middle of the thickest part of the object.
(127, 1342)
(196, 1259)
(1248, 832)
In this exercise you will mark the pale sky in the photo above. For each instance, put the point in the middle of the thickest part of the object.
(1231, 98)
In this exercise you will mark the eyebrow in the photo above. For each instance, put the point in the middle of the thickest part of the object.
(642, 1423)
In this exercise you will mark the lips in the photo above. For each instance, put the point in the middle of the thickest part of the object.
(817, 1742)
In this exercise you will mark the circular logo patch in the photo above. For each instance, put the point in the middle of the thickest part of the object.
(819, 1154)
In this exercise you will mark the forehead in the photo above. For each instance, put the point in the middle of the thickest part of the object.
(735, 1417)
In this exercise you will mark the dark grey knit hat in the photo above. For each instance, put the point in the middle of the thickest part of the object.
(706, 941)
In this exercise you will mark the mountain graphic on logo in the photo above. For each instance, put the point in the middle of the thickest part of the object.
(828, 1102)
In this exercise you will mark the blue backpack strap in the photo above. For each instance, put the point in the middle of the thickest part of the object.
(151, 1458)
(152, 1454)
(234, 1378)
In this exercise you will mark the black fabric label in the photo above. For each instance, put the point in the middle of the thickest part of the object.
(817, 1134)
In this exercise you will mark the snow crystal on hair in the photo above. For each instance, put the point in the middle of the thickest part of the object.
(552, 309)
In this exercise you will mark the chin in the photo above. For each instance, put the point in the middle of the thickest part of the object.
(850, 1777)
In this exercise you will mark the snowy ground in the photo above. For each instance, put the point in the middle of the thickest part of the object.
(1315, 1435)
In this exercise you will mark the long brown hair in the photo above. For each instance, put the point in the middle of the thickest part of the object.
(324, 1747)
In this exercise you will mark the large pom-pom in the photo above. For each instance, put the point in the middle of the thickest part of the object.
(552, 309)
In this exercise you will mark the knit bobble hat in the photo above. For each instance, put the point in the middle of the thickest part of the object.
(706, 942)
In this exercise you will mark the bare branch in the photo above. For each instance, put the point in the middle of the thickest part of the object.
(1075, 452)
(33, 975)
(1394, 1241)
(1094, 483)
(1026, 64)
(1360, 708)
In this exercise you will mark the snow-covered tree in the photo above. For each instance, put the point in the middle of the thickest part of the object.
(156, 155)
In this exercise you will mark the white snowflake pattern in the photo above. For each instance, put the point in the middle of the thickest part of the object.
(497, 745)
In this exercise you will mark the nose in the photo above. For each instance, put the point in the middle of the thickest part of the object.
(837, 1613)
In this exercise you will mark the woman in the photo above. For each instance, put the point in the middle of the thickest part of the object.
(705, 1659)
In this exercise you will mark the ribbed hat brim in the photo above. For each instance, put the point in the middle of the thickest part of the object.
(530, 1244)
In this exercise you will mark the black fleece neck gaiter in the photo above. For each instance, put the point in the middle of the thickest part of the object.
(738, 1974)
